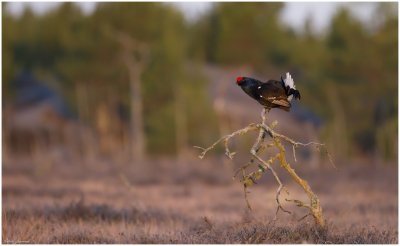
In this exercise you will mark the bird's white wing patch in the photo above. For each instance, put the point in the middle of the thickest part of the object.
(289, 81)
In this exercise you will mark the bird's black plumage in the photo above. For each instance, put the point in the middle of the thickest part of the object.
(270, 94)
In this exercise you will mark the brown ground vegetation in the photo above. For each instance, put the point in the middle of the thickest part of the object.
(164, 201)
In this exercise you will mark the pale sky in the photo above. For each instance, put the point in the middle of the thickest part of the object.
(294, 14)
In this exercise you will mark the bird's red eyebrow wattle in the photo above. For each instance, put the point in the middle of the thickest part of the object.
(239, 79)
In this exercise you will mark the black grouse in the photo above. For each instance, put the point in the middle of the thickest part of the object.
(270, 94)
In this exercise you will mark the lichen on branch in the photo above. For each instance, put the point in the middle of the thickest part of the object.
(263, 165)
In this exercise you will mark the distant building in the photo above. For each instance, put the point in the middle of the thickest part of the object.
(36, 118)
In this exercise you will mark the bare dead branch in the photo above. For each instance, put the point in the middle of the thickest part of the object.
(305, 216)
(225, 139)
(299, 203)
(257, 148)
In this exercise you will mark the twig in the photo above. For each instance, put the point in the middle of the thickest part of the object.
(299, 203)
(225, 139)
(305, 216)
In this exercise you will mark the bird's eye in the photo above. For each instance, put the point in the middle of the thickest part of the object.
(239, 79)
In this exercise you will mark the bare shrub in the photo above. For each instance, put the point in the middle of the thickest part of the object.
(258, 147)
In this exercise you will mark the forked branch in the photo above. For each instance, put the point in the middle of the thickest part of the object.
(258, 147)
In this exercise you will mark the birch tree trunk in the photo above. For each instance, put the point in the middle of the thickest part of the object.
(136, 123)
(135, 56)
(180, 124)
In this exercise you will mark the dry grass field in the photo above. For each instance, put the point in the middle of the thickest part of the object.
(164, 201)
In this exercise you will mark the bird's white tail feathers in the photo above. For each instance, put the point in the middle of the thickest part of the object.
(289, 81)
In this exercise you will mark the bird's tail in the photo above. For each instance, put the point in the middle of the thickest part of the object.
(289, 81)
